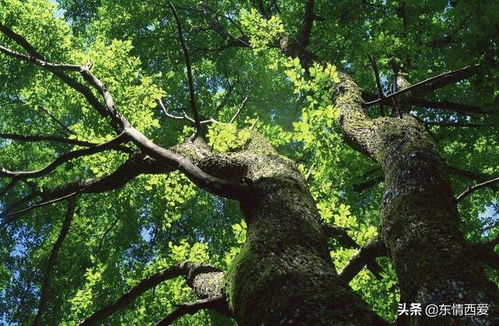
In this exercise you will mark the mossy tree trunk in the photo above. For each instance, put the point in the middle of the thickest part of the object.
(284, 274)
(420, 223)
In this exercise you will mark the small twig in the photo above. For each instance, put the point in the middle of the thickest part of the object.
(115, 221)
(471, 189)
(309, 172)
(175, 117)
(234, 117)
(397, 108)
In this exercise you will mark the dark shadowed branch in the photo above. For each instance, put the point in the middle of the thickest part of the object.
(182, 269)
(431, 84)
(190, 80)
(46, 138)
(452, 124)
(448, 106)
(112, 144)
(374, 66)
(478, 177)
(366, 255)
(485, 252)
(474, 188)
(342, 236)
(308, 23)
(217, 303)
(17, 214)
(52, 259)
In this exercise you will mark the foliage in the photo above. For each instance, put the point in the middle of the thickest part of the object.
(120, 237)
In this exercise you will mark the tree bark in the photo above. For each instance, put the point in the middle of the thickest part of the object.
(284, 274)
(433, 262)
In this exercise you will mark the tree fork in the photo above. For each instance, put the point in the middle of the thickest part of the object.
(433, 262)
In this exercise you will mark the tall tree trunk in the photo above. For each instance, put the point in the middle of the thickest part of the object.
(433, 262)
(284, 274)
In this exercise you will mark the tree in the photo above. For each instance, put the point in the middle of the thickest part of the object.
(252, 149)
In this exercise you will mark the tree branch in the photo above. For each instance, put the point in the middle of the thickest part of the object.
(360, 187)
(448, 106)
(16, 215)
(37, 59)
(374, 66)
(478, 177)
(204, 180)
(308, 23)
(112, 144)
(431, 84)
(234, 117)
(471, 189)
(365, 256)
(485, 252)
(52, 259)
(218, 28)
(347, 241)
(47, 138)
(216, 303)
(182, 269)
(192, 96)
(340, 234)
(452, 124)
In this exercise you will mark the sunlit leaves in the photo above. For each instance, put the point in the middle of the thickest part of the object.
(262, 31)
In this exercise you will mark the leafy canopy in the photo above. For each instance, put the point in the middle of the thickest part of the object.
(120, 237)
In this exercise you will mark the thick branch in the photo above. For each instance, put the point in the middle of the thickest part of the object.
(360, 187)
(341, 235)
(365, 256)
(215, 185)
(199, 177)
(347, 241)
(308, 23)
(182, 269)
(431, 84)
(485, 252)
(52, 259)
(217, 303)
(474, 188)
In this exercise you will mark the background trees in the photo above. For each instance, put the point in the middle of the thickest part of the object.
(268, 66)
